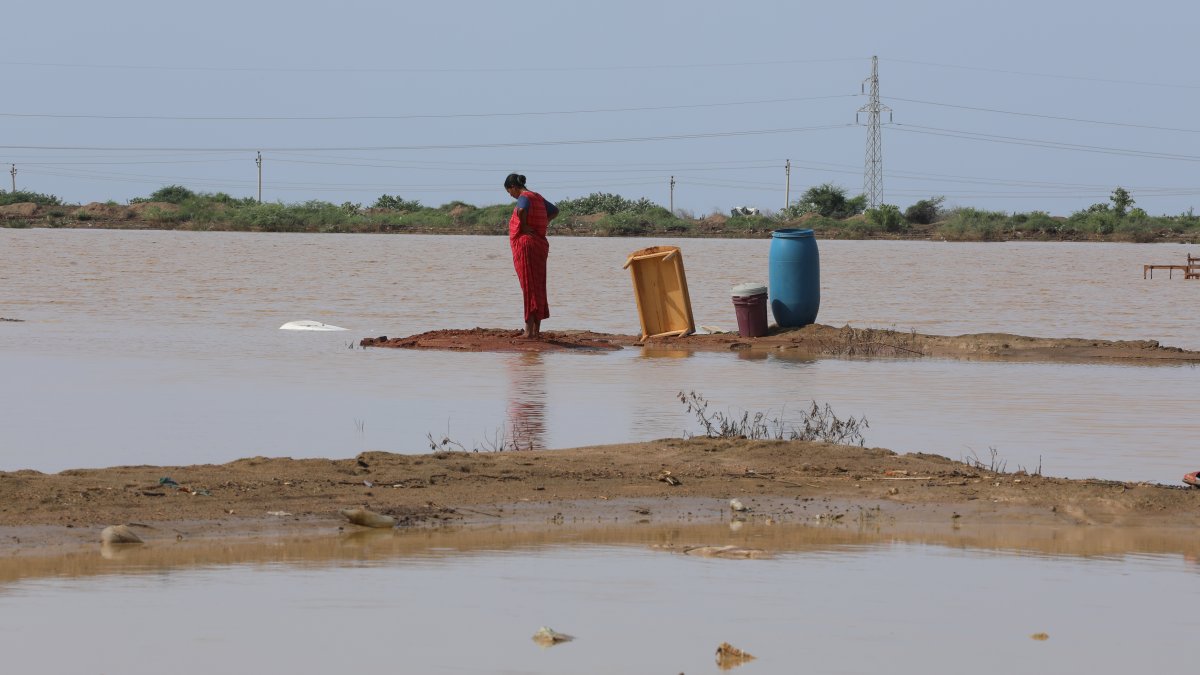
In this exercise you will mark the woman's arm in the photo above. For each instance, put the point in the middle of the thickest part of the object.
(523, 222)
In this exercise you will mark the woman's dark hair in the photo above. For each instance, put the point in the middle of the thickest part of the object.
(514, 180)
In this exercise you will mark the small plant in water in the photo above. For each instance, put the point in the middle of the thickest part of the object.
(993, 465)
(516, 437)
(818, 423)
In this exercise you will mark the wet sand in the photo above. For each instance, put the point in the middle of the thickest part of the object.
(780, 483)
(813, 340)
(671, 480)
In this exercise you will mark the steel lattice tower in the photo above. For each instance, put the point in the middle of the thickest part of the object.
(873, 166)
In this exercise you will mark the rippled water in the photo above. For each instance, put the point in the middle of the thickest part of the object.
(163, 347)
(827, 603)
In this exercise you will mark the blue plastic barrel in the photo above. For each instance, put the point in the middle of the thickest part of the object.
(794, 278)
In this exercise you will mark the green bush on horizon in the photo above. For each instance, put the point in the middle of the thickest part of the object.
(638, 221)
(827, 200)
(172, 194)
(24, 196)
(396, 203)
(925, 211)
(887, 218)
(966, 223)
(604, 202)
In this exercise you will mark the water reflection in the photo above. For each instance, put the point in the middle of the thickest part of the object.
(442, 601)
(661, 353)
(324, 545)
(526, 400)
(170, 374)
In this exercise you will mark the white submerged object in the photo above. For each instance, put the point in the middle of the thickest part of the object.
(308, 325)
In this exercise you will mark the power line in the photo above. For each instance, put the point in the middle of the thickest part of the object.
(1168, 85)
(467, 69)
(492, 170)
(414, 116)
(1044, 116)
(1052, 145)
(446, 146)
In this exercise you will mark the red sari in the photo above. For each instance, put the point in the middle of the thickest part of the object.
(530, 252)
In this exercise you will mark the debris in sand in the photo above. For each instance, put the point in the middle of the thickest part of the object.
(729, 657)
(119, 534)
(669, 479)
(548, 637)
(367, 518)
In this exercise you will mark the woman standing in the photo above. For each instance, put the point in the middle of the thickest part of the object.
(530, 248)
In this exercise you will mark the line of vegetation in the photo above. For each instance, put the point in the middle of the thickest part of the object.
(827, 209)
(817, 423)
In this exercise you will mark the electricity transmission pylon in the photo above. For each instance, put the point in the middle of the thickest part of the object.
(873, 166)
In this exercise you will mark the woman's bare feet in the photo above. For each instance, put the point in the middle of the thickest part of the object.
(533, 330)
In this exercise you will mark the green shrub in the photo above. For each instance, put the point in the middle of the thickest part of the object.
(925, 211)
(604, 202)
(828, 200)
(968, 224)
(396, 203)
(625, 224)
(22, 196)
(162, 216)
(311, 216)
(887, 218)
(633, 223)
(172, 194)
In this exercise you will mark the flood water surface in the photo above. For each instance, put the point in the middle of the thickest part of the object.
(164, 348)
(827, 602)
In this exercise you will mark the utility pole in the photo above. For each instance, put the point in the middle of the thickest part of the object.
(873, 166)
(258, 161)
(672, 195)
(13, 172)
(787, 186)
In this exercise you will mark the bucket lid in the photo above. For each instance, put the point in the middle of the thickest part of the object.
(746, 290)
(791, 234)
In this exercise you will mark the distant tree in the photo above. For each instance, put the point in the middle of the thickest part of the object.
(828, 200)
(21, 196)
(174, 194)
(1121, 201)
(925, 211)
(396, 203)
(887, 217)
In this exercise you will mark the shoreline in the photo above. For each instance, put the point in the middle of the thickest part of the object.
(781, 483)
(98, 216)
(815, 340)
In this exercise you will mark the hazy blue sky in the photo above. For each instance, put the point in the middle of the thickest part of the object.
(1013, 106)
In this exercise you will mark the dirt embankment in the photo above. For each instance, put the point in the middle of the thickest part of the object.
(814, 340)
(776, 481)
